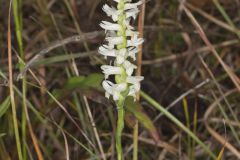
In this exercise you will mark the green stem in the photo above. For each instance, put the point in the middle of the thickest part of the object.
(120, 126)
(135, 141)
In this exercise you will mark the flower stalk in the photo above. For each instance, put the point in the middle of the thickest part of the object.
(122, 44)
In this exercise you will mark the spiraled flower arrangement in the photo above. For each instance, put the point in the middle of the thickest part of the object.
(122, 44)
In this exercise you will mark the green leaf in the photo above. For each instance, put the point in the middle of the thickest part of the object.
(136, 109)
(85, 82)
(90, 85)
(74, 82)
(4, 106)
(94, 80)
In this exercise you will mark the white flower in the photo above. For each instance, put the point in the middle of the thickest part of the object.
(127, 23)
(113, 89)
(111, 11)
(134, 79)
(135, 41)
(114, 40)
(132, 51)
(135, 87)
(132, 13)
(129, 67)
(110, 26)
(106, 51)
(111, 70)
(131, 33)
(120, 0)
(121, 56)
(122, 44)
(132, 5)
(133, 90)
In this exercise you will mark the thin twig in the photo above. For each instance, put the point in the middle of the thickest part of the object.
(193, 52)
(138, 73)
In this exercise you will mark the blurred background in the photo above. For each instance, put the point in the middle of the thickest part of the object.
(61, 111)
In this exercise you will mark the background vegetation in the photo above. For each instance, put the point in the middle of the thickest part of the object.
(189, 107)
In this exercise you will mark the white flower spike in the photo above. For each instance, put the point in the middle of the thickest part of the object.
(122, 44)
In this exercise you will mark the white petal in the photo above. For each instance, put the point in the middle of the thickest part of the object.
(120, 59)
(133, 89)
(132, 51)
(114, 40)
(113, 89)
(121, 55)
(122, 52)
(136, 87)
(110, 26)
(131, 33)
(107, 95)
(134, 79)
(111, 11)
(132, 13)
(121, 87)
(135, 41)
(117, 89)
(107, 85)
(120, 0)
(127, 23)
(116, 96)
(132, 5)
(132, 92)
(110, 70)
(107, 52)
(129, 67)
(109, 46)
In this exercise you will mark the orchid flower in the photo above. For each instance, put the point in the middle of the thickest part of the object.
(122, 44)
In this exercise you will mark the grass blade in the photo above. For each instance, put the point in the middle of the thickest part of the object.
(11, 90)
(177, 122)
(4, 106)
